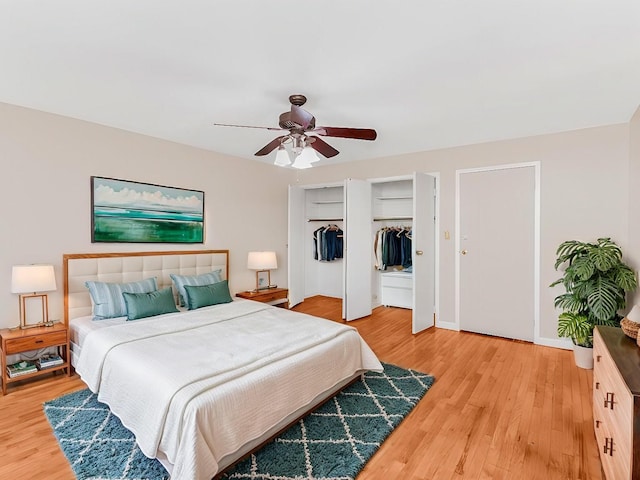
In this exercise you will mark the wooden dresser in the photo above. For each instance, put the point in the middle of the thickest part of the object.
(616, 402)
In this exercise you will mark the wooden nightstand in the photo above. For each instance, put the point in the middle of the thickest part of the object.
(272, 296)
(18, 341)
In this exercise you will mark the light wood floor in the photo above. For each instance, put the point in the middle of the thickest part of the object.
(499, 409)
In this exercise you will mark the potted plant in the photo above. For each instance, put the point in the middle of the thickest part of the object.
(596, 281)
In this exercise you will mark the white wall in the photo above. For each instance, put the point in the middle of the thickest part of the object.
(46, 208)
(588, 189)
(584, 194)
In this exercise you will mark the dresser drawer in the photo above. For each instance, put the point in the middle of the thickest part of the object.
(33, 342)
(611, 393)
(397, 280)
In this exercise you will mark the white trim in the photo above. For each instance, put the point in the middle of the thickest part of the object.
(537, 339)
(392, 179)
(318, 185)
(563, 343)
(447, 325)
(436, 265)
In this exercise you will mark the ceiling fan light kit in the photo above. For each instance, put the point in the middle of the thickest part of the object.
(282, 157)
(303, 136)
(306, 158)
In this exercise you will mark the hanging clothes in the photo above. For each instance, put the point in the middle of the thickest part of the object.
(392, 247)
(328, 243)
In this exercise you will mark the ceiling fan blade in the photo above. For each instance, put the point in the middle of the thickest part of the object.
(270, 147)
(247, 126)
(343, 132)
(302, 117)
(323, 147)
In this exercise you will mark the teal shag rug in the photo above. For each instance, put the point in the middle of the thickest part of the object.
(334, 442)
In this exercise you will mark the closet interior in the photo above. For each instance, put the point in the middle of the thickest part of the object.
(324, 233)
(392, 233)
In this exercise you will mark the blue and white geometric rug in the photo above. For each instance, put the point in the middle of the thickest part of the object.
(332, 443)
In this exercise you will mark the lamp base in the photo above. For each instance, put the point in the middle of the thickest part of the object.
(44, 299)
(35, 325)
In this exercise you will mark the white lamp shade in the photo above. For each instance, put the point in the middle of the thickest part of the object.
(282, 157)
(302, 161)
(262, 261)
(309, 155)
(634, 314)
(32, 278)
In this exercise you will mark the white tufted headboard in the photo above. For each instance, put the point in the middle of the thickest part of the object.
(128, 267)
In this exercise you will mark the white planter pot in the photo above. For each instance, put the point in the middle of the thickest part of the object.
(583, 356)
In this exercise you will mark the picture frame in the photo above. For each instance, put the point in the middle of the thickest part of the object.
(263, 279)
(126, 211)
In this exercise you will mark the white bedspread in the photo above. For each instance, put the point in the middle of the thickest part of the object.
(198, 385)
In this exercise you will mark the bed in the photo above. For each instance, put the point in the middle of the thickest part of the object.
(201, 388)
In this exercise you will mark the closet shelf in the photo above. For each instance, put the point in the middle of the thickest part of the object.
(326, 202)
(324, 219)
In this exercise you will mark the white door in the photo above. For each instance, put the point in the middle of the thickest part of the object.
(296, 245)
(496, 246)
(424, 252)
(356, 298)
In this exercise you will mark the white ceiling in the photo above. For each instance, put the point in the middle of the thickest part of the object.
(425, 74)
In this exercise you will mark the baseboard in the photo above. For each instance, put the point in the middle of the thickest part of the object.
(563, 343)
(447, 325)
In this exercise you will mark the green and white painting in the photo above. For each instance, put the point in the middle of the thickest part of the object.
(134, 212)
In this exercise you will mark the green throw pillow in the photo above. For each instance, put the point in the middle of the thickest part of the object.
(179, 281)
(107, 297)
(141, 305)
(205, 295)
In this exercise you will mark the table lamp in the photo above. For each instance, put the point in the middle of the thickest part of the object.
(262, 263)
(28, 280)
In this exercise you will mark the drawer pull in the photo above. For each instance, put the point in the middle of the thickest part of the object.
(597, 423)
(598, 357)
(39, 341)
(597, 385)
(608, 446)
(608, 402)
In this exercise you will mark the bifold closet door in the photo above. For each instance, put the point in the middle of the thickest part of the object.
(424, 252)
(296, 250)
(358, 244)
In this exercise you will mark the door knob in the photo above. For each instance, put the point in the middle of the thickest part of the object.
(419, 252)
(463, 252)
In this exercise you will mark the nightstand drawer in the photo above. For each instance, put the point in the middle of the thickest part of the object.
(273, 296)
(33, 342)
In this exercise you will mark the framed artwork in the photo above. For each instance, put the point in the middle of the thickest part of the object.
(135, 212)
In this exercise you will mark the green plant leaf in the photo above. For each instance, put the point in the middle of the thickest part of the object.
(571, 302)
(626, 278)
(577, 327)
(605, 255)
(582, 268)
(603, 301)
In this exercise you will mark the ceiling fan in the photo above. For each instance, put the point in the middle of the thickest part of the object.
(303, 136)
